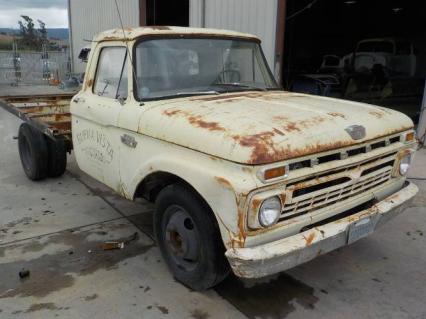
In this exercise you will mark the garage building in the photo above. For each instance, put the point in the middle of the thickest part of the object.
(365, 50)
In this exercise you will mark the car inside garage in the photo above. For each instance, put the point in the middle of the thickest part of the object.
(370, 51)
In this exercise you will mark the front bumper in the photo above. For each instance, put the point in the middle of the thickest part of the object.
(289, 252)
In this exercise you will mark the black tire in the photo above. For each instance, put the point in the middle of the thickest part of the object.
(204, 264)
(57, 157)
(33, 152)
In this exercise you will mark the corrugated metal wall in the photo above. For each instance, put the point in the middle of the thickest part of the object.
(88, 17)
(252, 16)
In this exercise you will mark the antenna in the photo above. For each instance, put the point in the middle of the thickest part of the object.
(127, 46)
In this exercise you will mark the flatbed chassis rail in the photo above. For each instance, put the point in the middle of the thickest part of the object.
(49, 114)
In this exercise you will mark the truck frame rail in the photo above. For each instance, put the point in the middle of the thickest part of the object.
(48, 113)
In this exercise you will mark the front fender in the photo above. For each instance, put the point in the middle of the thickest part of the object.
(222, 184)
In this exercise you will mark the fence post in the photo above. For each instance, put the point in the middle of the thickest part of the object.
(16, 63)
(421, 128)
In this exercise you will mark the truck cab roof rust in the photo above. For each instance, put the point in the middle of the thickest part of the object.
(140, 32)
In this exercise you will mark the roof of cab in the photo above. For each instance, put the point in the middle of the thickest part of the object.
(134, 33)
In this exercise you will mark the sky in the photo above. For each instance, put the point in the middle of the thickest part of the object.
(52, 12)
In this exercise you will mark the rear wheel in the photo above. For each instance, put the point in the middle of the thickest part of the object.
(33, 152)
(189, 239)
(57, 153)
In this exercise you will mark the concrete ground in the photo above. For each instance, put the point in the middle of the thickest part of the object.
(54, 229)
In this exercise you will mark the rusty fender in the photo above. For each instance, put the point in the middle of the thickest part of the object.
(289, 252)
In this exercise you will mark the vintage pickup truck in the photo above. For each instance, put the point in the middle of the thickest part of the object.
(244, 175)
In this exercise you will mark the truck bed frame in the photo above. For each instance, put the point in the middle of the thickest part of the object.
(48, 113)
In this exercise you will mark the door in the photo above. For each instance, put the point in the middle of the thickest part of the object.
(96, 110)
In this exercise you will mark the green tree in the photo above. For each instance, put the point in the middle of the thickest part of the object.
(28, 32)
(42, 31)
(32, 38)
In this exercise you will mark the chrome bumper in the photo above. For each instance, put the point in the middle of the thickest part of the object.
(289, 252)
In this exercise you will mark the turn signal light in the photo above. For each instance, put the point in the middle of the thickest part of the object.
(275, 172)
(409, 137)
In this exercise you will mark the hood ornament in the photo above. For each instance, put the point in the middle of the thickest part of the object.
(357, 132)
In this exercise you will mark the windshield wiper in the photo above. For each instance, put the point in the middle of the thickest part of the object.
(180, 94)
(241, 85)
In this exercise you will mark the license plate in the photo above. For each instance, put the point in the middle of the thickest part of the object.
(360, 229)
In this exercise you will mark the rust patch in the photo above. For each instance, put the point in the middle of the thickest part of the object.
(195, 120)
(172, 112)
(282, 196)
(199, 122)
(255, 204)
(224, 182)
(242, 233)
(159, 27)
(89, 83)
(110, 37)
(279, 118)
(291, 127)
(336, 114)
(261, 143)
(265, 151)
(402, 154)
(312, 121)
(377, 114)
(309, 239)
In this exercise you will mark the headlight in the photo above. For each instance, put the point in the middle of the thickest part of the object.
(270, 211)
(404, 164)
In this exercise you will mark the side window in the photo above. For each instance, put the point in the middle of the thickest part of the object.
(111, 74)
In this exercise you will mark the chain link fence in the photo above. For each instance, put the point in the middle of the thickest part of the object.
(27, 67)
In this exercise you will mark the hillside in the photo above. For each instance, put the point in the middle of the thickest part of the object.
(57, 33)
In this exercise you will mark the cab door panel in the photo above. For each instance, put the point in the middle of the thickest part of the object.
(95, 113)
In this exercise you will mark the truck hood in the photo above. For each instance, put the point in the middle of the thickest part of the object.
(265, 127)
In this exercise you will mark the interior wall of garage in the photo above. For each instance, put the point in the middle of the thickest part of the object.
(252, 16)
(89, 17)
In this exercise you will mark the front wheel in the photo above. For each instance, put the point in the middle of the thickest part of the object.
(189, 239)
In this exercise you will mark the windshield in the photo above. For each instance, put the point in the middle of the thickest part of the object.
(182, 67)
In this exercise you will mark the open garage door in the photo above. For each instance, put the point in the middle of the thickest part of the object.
(372, 51)
(167, 12)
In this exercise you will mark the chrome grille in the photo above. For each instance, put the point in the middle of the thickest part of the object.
(342, 155)
(328, 189)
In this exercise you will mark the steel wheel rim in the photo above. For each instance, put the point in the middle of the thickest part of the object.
(181, 238)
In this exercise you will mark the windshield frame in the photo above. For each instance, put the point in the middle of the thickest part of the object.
(201, 37)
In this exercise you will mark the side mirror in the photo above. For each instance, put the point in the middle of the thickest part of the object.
(121, 100)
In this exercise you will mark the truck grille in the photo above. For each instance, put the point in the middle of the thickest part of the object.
(331, 188)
